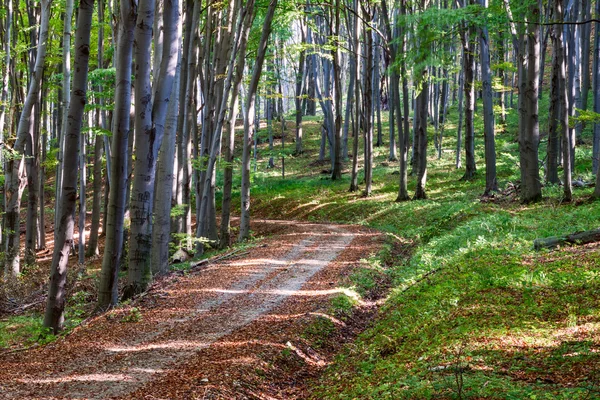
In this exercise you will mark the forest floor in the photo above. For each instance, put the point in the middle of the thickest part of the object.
(258, 323)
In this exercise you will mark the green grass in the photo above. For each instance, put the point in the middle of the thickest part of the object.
(473, 311)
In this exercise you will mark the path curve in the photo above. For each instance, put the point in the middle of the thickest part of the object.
(113, 358)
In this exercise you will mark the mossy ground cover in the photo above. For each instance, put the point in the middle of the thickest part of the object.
(473, 311)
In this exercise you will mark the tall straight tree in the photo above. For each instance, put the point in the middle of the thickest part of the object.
(108, 287)
(529, 134)
(467, 38)
(55, 305)
(491, 183)
(149, 130)
(14, 174)
(249, 119)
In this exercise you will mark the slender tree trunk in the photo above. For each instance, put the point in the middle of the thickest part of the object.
(298, 98)
(565, 133)
(336, 173)
(14, 175)
(248, 128)
(491, 184)
(469, 89)
(596, 72)
(108, 287)
(161, 230)
(357, 100)
(554, 115)
(54, 317)
(82, 197)
(461, 85)
(421, 137)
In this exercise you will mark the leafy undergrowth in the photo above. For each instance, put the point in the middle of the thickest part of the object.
(472, 311)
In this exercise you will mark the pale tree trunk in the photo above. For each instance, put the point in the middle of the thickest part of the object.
(161, 231)
(4, 99)
(249, 118)
(563, 123)
(586, 31)
(230, 128)
(298, 99)
(368, 108)
(529, 135)
(98, 147)
(32, 164)
(66, 97)
(553, 116)
(215, 146)
(82, 198)
(357, 101)
(150, 128)
(461, 85)
(421, 137)
(336, 172)
(469, 91)
(491, 184)
(54, 317)
(108, 286)
(14, 175)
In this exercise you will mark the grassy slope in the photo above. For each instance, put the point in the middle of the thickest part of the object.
(474, 312)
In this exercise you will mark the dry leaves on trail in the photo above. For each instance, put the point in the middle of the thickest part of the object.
(234, 329)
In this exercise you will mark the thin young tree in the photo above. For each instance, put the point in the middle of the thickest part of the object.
(249, 119)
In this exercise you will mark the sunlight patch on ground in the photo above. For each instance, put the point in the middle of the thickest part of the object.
(174, 345)
(81, 378)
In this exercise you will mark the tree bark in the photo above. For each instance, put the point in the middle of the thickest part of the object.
(54, 317)
(108, 286)
(248, 126)
(14, 174)
(421, 136)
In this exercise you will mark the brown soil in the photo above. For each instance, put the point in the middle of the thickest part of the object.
(257, 326)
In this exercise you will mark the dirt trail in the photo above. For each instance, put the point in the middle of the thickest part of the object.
(190, 322)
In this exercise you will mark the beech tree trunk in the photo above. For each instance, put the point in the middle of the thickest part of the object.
(108, 286)
(491, 184)
(149, 130)
(529, 135)
(421, 137)
(469, 89)
(14, 175)
(54, 317)
(249, 129)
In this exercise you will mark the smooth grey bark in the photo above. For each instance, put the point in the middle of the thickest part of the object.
(367, 109)
(149, 130)
(529, 134)
(161, 230)
(14, 174)
(66, 99)
(552, 151)
(586, 36)
(300, 76)
(421, 136)
(55, 305)
(336, 172)
(491, 183)
(248, 122)
(93, 249)
(469, 91)
(461, 85)
(563, 124)
(4, 97)
(215, 145)
(108, 286)
(356, 46)
(32, 164)
(82, 198)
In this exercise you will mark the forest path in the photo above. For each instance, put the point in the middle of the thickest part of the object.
(207, 334)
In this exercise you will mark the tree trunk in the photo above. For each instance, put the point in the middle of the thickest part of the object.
(554, 116)
(566, 135)
(421, 137)
(469, 89)
(149, 130)
(161, 230)
(54, 317)
(108, 286)
(491, 184)
(529, 135)
(596, 72)
(14, 174)
(298, 99)
(248, 128)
